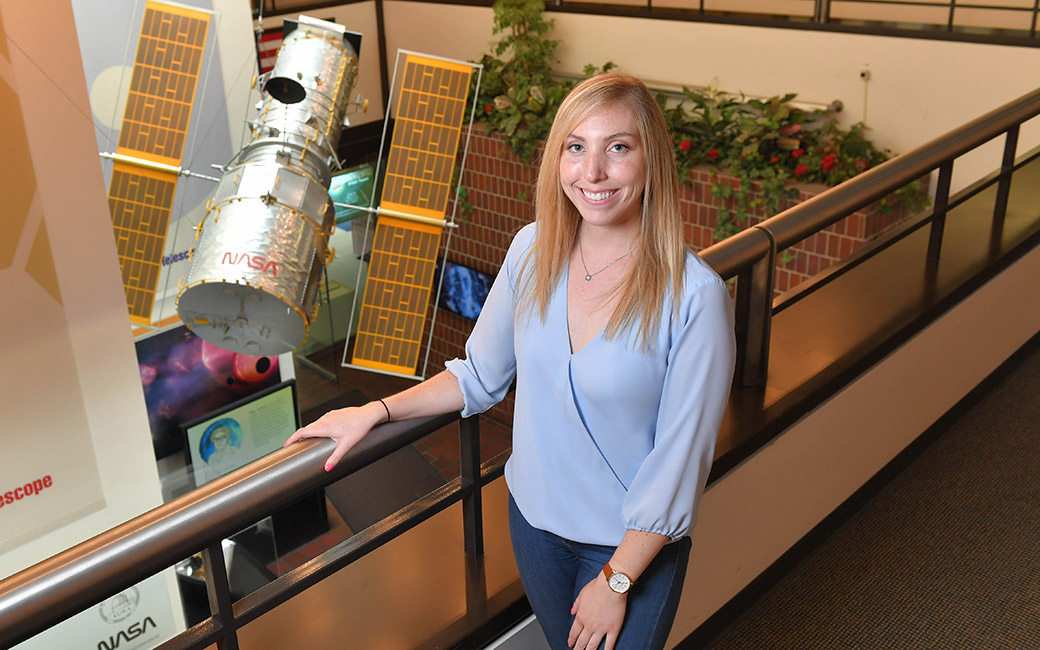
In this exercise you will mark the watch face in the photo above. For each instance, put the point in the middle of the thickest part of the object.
(619, 582)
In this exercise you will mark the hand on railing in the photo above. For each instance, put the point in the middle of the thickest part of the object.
(346, 426)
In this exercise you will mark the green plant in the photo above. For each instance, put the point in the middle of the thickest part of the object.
(762, 145)
(765, 144)
(518, 96)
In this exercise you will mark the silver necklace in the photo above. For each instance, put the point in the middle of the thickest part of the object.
(589, 276)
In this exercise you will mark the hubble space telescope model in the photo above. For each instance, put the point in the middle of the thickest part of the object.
(264, 241)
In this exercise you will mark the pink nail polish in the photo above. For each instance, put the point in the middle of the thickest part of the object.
(328, 467)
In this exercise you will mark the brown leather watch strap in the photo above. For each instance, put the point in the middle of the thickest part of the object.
(608, 571)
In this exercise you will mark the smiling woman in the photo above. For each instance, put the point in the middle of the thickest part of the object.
(621, 345)
(642, 162)
(603, 170)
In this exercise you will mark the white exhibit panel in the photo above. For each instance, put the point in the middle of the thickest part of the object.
(78, 456)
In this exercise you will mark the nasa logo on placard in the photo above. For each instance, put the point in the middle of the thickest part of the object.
(119, 607)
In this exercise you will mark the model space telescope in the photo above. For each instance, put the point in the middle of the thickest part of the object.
(264, 241)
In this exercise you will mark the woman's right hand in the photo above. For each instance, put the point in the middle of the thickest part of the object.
(346, 426)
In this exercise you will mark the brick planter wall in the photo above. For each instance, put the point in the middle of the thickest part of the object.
(806, 258)
(500, 187)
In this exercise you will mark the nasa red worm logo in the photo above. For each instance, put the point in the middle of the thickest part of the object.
(256, 262)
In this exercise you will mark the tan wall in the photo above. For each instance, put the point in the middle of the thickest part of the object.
(918, 89)
(831, 452)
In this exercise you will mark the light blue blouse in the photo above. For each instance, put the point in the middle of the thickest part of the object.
(610, 438)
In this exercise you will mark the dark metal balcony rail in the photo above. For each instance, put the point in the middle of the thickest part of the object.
(47, 593)
(750, 255)
(950, 20)
(900, 17)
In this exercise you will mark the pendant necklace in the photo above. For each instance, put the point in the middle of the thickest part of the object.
(589, 276)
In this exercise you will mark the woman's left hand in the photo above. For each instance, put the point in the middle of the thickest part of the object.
(598, 614)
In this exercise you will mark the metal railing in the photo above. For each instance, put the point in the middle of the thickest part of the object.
(997, 23)
(751, 254)
(1005, 23)
(47, 593)
(43, 595)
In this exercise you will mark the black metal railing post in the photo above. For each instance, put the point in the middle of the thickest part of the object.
(1007, 166)
(219, 591)
(822, 12)
(476, 590)
(472, 516)
(759, 315)
(942, 199)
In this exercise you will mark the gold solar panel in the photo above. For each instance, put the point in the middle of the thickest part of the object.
(426, 136)
(140, 201)
(162, 87)
(430, 111)
(155, 127)
(397, 293)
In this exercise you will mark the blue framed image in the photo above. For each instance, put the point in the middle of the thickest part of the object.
(464, 290)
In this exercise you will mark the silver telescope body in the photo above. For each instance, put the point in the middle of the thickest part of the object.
(264, 241)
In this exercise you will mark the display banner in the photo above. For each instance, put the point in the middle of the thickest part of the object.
(48, 470)
(77, 454)
(136, 618)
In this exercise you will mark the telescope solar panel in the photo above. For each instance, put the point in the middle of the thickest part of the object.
(155, 127)
(430, 111)
(428, 123)
(397, 293)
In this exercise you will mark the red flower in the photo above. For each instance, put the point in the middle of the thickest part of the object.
(800, 170)
(861, 165)
(487, 109)
(685, 145)
(713, 153)
(829, 162)
(797, 152)
(773, 160)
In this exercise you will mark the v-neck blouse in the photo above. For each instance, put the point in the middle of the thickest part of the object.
(609, 438)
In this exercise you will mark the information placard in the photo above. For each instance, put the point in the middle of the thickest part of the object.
(242, 432)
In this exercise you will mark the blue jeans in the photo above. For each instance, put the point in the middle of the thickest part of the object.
(553, 570)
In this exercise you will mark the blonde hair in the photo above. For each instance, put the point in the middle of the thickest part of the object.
(659, 257)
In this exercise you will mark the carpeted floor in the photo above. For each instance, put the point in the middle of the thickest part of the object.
(947, 555)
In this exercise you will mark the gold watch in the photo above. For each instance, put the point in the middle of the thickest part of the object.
(618, 582)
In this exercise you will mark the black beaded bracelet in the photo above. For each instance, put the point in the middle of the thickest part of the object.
(387, 408)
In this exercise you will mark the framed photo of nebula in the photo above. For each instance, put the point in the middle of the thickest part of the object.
(185, 377)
